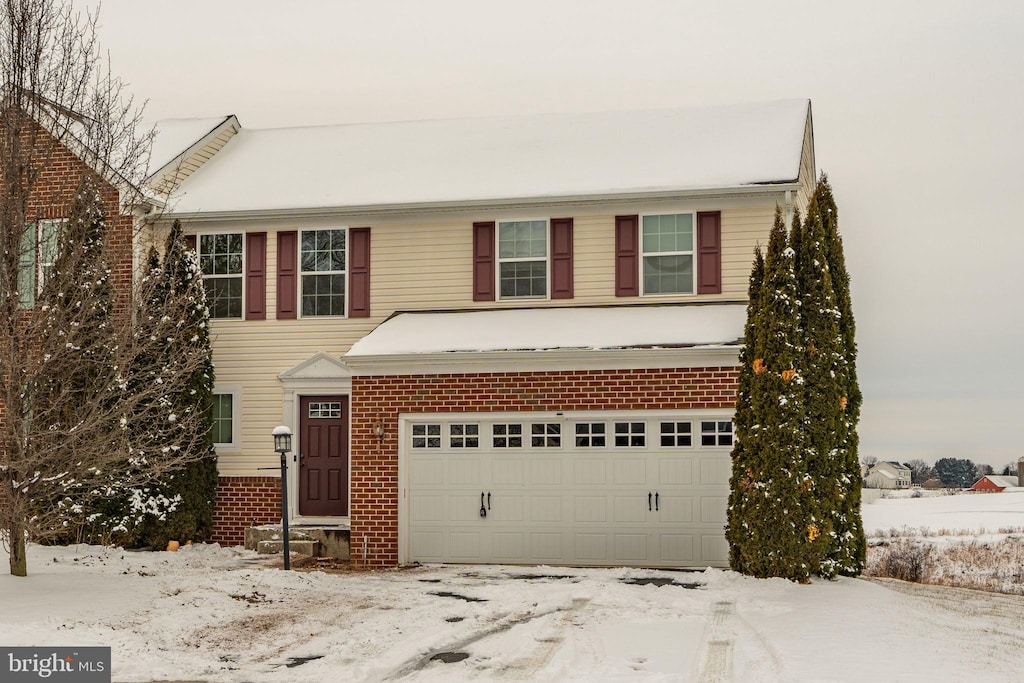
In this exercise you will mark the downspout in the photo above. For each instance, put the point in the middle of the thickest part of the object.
(789, 208)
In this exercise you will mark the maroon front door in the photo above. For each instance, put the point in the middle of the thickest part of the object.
(323, 456)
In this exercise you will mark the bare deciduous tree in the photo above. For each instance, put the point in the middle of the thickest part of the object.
(82, 396)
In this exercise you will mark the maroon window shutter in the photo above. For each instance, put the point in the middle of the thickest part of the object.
(709, 252)
(627, 256)
(287, 275)
(190, 240)
(483, 261)
(359, 273)
(256, 276)
(561, 258)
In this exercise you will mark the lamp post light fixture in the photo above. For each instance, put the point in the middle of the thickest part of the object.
(283, 445)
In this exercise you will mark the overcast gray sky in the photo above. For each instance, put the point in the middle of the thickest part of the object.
(918, 113)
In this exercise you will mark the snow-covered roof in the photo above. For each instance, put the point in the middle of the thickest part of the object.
(175, 136)
(897, 465)
(496, 158)
(1006, 481)
(539, 329)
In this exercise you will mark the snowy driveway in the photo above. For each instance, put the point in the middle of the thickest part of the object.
(216, 614)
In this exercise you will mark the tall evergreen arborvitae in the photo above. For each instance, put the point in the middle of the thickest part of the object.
(794, 506)
(194, 487)
(849, 528)
(773, 518)
(738, 531)
(823, 348)
(84, 375)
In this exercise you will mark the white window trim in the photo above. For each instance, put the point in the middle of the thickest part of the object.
(245, 264)
(498, 260)
(692, 253)
(345, 274)
(235, 391)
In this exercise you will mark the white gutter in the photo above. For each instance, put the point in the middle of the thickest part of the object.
(464, 205)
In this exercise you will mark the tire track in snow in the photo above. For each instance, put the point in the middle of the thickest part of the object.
(536, 661)
(716, 654)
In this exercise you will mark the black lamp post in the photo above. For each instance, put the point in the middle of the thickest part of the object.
(283, 445)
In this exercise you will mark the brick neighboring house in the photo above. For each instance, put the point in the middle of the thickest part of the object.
(510, 339)
(887, 474)
(49, 204)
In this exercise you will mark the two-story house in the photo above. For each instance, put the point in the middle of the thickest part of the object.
(509, 339)
(887, 474)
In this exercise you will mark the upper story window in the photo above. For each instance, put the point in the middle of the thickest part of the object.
(667, 253)
(323, 272)
(35, 259)
(522, 259)
(220, 257)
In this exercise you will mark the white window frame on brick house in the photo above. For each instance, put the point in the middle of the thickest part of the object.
(206, 256)
(514, 257)
(320, 268)
(235, 392)
(653, 253)
(38, 252)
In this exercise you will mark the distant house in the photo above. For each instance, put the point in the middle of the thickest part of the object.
(887, 474)
(996, 483)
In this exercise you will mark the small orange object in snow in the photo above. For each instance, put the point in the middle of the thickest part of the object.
(172, 546)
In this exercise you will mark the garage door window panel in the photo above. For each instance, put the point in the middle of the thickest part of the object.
(716, 433)
(676, 434)
(591, 435)
(507, 435)
(630, 434)
(546, 435)
(426, 436)
(464, 435)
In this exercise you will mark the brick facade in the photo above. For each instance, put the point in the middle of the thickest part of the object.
(51, 198)
(374, 485)
(243, 502)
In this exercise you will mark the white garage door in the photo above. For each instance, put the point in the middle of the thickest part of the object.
(587, 489)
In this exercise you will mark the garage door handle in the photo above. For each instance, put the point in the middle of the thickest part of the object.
(483, 510)
(649, 501)
(656, 502)
(488, 500)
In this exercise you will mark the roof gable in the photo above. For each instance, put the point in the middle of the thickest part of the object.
(553, 156)
(178, 142)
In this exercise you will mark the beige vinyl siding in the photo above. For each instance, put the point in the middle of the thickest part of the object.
(426, 264)
(190, 164)
(807, 177)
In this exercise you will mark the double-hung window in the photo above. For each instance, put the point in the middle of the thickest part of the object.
(226, 418)
(523, 259)
(220, 258)
(667, 253)
(323, 272)
(35, 259)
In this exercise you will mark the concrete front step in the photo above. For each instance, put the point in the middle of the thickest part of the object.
(333, 540)
(303, 547)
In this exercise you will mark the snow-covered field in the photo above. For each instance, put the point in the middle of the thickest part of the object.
(217, 614)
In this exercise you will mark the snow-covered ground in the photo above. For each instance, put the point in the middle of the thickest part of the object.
(966, 512)
(217, 614)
